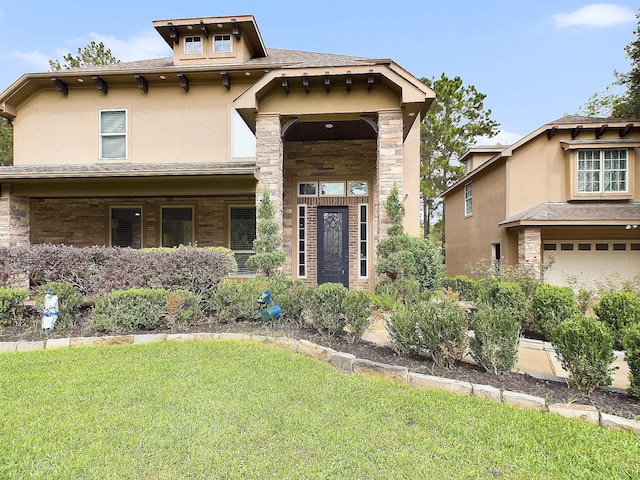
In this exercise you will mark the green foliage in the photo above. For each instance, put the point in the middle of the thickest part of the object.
(395, 211)
(401, 325)
(268, 255)
(463, 286)
(628, 105)
(93, 54)
(69, 302)
(130, 310)
(584, 347)
(619, 311)
(429, 268)
(183, 309)
(294, 301)
(486, 288)
(504, 295)
(455, 119)
(238, 299)
(442, 329)
(6, 142)
(494, 345)
(12, 305)
(357, 314)
(632, 348)
(551, 306)
(326, 308)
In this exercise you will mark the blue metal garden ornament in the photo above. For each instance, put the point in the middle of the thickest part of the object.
(270, 313)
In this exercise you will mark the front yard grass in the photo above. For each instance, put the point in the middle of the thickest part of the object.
(223, 409)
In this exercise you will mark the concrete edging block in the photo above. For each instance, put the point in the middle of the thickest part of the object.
(283, 342)
(343, 361)
(570, 410)
(487, 391)
(447, 384)
(619, 423)
(382, 370)
(8, 347)
(522, 400)
(180, 337)
(29, 346)
(240, 337)
(54, 343)
(150, 338)
(311, 350)
(207, 336)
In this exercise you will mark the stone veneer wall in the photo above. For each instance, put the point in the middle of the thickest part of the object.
(269, 161)
(326, 160)
(389, 168)
(529, 246)
(83, 221)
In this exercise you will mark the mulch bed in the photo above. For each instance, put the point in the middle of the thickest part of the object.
(612, 401)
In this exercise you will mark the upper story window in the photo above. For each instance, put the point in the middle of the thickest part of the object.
(602, 171)
(193, 45)
(113, 134)
(468, 199)
(222, 44)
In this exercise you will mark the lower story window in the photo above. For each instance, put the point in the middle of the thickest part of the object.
(177, 226)
(302, 241)
(363, 240)
(242, 233)
(125, 226)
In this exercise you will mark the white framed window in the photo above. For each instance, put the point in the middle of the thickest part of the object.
(125, 226)
(222, 44)
(468, 199)
(176, 226)
(113, 134)
(357, 188)
(302, 241)
(193, 45)
(332, 189)
(363, 240)
(602, 171)
(242, 233)
(308, 189)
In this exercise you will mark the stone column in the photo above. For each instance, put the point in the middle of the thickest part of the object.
(530, 247)
(269, 159)
(389, 166)
(14, 219)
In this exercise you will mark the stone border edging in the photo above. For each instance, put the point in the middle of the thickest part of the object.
(350, 364)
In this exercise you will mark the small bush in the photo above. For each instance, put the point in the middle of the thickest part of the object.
(551, 306)
(129, 310)
(238, 299)
(632, 347)
(357, 314)
(429, 269)
(503, 295)
(295, 302)
(327, 308)
(463, 285)
(619, 311)
(12, 305)
(486, 288)
(494, 345)
(69, 302)
(183, 309)
(584, 347)
(442, 330)
(402, 327)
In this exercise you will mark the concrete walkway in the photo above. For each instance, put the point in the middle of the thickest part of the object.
(535, 357)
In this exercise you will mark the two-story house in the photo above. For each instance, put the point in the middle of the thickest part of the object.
(567, 195)
(179, 150)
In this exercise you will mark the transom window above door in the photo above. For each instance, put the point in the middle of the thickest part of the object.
(332, 188)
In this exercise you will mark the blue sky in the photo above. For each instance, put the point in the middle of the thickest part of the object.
(535, 60)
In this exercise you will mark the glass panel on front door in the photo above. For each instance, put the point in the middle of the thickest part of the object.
(333, 245)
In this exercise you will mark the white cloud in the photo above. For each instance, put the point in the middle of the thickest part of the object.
(38, 61)
(141, 46)
(502, 138)
(598, 15)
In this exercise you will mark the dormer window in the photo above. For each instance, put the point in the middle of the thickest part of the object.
(193, 45)
(222, 44)
(602, 171)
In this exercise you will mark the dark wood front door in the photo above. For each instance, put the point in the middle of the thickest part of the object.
(333, 245)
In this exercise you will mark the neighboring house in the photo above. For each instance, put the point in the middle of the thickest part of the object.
(178, 150)
(567, 194)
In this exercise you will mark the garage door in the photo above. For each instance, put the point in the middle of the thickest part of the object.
(589, 262)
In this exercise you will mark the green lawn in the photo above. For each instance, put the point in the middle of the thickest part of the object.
(223, 409)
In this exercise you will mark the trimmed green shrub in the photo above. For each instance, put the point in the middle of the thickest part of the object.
(12, 305)
(619, 311)
(402, 327)
(183, 309)
(268, 256)
(504, 295)
(403, 290)
(486, 287)
(494, 345)
(295, 302)
(632, 347)
(130, 310)
(69, 302)
(429, 269)
(238, 299)
(551, 306)
(357, 314)
(327, 308)
(463, 285)
(442, 330)
(584, 347)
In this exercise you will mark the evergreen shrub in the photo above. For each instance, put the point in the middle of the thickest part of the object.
(326, 308)
(463, 286)
(619, 311)
(357, 314)
(632, 347)
(494, 345)
(551, 306)
(12, 305)
(125, 311)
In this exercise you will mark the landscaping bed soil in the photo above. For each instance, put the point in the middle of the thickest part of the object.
(612, 401)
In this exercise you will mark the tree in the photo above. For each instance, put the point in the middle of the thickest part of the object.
(628, 105)
(456, 117)
(89, 56)
(268, 256)
(6, 142)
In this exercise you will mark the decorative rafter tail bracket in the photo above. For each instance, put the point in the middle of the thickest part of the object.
(551, 132)
(600, 131)
(624, 131)
(142, 82)
(101, 84)
(576, 131)
(285, 84)
(348, 82)
(174, 35)
(184, 81)
(235, 29)
(306, 84)
(203, 29)
(61, 86)
(370, 80)
(226, 80)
